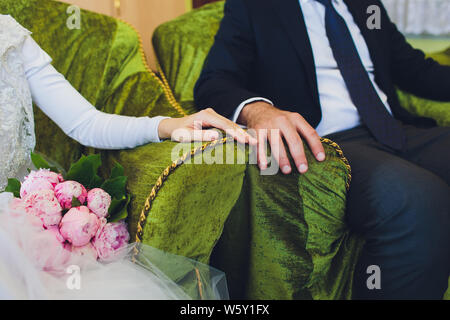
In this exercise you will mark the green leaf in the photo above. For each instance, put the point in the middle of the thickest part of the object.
(13, 187)
(85, 171)
(76, 202)
(119, 209)
(117, 171)
(116, 187)
(41, 163)
(116, 206)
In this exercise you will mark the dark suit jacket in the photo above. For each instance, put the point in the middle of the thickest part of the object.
(262, 49)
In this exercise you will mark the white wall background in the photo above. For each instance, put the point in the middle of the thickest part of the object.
(420, 17)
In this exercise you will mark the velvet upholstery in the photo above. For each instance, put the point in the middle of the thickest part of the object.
(427, 108)
(275, 236)
(104, 62)
(288, 241)
(181, 47)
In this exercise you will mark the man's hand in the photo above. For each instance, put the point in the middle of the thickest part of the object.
(291, 126)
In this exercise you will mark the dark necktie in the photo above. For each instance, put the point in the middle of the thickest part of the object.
(373, 112)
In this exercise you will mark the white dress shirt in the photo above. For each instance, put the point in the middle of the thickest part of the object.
(78, 118)
(338, 111)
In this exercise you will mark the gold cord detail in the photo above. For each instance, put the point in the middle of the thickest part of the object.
(163, 177)
(170, 169)
(341, 156)
(167, 91)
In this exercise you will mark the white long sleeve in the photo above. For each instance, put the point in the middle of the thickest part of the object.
(79, 119)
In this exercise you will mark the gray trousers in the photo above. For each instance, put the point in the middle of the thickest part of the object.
(400, 202)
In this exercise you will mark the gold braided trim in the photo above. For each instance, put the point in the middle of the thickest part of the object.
(167, 91)
(342, 157)
(170, 169)
(164, 78)
(163, 177)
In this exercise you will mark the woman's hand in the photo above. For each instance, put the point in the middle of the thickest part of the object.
(191, 128)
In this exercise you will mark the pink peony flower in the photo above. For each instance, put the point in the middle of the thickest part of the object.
(110, 239)
(79, 225)
(99, 202)
(66, 190)
(85, 251)
(43, 204)
(52, 177)
(32, 185)
(41, 179)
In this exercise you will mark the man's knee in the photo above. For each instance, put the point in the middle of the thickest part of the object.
(403, 199)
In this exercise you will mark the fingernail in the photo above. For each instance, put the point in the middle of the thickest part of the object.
(302, 168)
(321, 156)
(286, 169)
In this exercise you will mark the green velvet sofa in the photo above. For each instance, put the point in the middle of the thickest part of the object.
(181, 47)
(276, 237)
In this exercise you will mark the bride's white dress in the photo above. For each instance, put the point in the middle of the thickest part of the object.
(25, 75)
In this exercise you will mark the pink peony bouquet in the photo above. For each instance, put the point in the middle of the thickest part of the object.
(81, 213)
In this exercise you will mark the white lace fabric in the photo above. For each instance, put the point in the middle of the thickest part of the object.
(17, 138)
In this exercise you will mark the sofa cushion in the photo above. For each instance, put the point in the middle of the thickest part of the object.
(181, 46)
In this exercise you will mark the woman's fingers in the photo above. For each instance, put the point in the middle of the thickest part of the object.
(212, 119)
(207, 135)
(188, 135)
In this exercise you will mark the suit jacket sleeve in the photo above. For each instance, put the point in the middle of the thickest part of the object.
(224, 80)
(414, 73)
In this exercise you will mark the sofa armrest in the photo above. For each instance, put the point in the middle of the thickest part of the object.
(200, 209)
(179, 208)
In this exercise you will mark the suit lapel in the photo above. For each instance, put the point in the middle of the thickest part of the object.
(291, 17)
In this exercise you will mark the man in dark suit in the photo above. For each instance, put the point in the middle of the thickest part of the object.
(312, 68)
